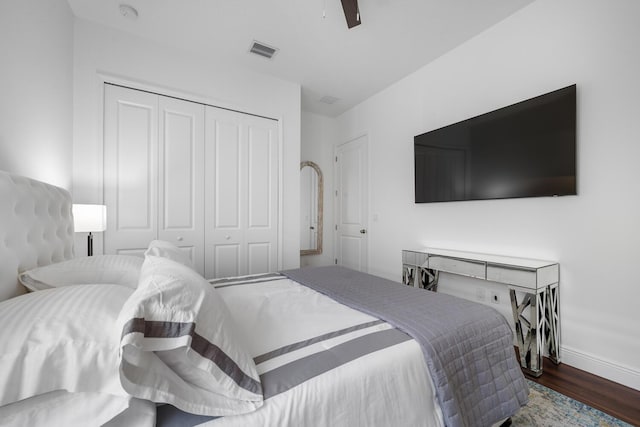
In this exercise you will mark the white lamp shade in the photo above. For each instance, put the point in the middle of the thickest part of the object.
(89, 218)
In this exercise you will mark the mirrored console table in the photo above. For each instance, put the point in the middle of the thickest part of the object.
(533, 290)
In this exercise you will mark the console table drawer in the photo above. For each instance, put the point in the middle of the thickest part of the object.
(457, 266)
(512, 276)
(414, 258)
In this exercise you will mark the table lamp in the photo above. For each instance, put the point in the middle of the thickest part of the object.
(91, 219)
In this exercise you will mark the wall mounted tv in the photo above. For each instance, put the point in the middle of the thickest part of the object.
(527, 149)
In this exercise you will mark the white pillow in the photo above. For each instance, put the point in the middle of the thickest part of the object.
(61, 408)
(111, 269)
(164, 249)
(180, 345)
(60, 339)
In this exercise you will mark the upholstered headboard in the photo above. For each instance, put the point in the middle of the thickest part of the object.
(36, 228)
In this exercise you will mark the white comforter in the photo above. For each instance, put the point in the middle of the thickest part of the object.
(299, 335)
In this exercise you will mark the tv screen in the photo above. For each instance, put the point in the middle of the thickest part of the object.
(527, 149)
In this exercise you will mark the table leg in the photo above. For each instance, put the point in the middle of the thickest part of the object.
(429, 279)
(552, 320)
(529, 330)
(409, 275)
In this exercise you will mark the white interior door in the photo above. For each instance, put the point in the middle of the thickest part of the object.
(352, 190)
(130, 169)
(241, 202)
(181, 183)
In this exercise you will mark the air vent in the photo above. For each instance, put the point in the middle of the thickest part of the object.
(329, 99)
(263, 50)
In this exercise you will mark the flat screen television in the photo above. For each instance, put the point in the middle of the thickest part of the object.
(527, 149)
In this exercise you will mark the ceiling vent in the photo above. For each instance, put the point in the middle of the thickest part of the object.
(263, 50)
(327, 99)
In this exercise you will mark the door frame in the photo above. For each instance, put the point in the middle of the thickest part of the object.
(336, 183)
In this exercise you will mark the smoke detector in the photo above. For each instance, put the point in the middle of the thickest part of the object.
(261, 49)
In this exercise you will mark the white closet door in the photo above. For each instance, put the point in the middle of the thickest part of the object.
(154, 172)
(181, 183)
(130, 169)
(261, 231)
(241, 194)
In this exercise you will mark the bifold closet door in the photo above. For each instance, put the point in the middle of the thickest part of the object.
(181, 177)
(130, 170)
(154, 172)
(241, 200)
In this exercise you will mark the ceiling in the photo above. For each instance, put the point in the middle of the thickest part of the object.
(316, 49)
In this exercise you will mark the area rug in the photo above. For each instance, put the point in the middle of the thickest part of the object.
(548, 408)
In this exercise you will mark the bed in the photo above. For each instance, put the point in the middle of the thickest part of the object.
(123, 341)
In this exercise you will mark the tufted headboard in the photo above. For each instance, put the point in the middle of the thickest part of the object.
(36, 228)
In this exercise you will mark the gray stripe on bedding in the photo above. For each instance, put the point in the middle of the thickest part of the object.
(235, 279)
(295, 373)
(199, 344)
(468, 347)
(249, 282)
(170, 416)
(305, 343)
(157, 329)
(292, 374)
(226, 364)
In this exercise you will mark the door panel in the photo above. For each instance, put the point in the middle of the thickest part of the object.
(259, 257)
(225, 150)
(351, 197)
(223, 201)
(352, 204)
(181, 183)
(241, 152)
(226, 259)
(130, 168)
(260, 186)
(351, 250)
(261, 225)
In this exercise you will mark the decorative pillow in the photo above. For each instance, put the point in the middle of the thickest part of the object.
(99, 269)
(164, 249)
(60, 339)
(180, 345)
(61, 408)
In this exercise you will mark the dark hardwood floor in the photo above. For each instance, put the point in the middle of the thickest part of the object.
(614, 399)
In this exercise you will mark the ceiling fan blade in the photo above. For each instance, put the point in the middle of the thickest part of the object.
(351, 12)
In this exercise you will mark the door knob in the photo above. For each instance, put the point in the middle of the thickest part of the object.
(179, 239)
(363, 231)
(227, 237)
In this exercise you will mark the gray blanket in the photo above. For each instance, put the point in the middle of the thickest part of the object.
(468, 347)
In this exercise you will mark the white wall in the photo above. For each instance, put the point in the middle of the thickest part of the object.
(318, 137)
(548, 45)
(36, 84)
(101, 53)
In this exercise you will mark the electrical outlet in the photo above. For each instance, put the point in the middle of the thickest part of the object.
(495, 298)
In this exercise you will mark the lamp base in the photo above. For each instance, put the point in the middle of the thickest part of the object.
(90, 244)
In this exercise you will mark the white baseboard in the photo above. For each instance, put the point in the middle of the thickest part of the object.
(600, 367)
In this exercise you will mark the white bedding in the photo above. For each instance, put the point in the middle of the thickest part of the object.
(390, 386)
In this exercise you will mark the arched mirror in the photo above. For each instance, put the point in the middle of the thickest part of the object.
(311, 189)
